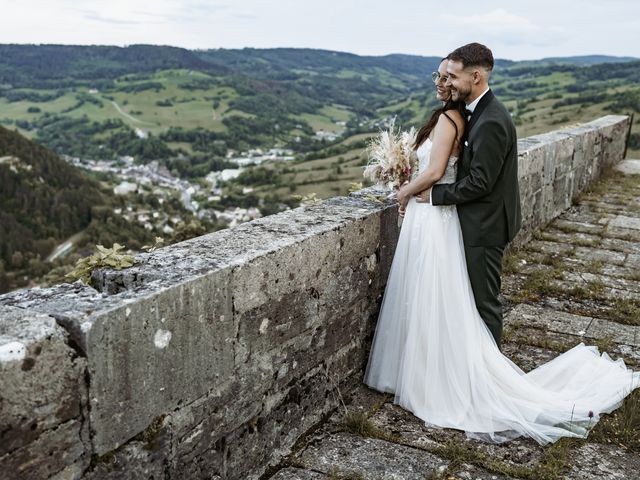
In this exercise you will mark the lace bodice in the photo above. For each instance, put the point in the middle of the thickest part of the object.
(424, 154)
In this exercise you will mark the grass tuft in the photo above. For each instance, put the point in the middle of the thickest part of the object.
(605, 344)
(622, 426)
(594, 266)
(626, 310)
(556, 460)
(359, 424)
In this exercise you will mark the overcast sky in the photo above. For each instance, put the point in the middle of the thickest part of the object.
(519, 29)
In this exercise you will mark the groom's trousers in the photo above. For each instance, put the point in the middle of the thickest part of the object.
(485, 267)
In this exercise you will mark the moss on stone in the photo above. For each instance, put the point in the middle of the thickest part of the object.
(151, 434)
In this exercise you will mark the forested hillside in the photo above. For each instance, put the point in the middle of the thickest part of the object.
(44, 201)
(43, 198)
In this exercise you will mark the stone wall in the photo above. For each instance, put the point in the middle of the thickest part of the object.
(209, 358)
(555, 167)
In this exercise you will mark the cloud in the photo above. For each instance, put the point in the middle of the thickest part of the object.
(144, 11)
(243, 16)
(498, 19)
(96, 17)
(198, 11)
(506, 28)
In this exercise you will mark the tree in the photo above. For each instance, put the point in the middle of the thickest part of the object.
(17, 259)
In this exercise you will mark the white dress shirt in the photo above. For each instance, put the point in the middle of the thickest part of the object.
(472, 106)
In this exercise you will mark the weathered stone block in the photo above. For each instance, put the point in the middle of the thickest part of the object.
(42, 394)
(143, 458)
(271, 276)
(347, 454)
(50, 453)
(594, 462)
(562, 192)
(530, 158)
(298, 474)
(148, 356)
(547, 204)
(411, 431)
(548, 320)
(70, 304)
(225, 443)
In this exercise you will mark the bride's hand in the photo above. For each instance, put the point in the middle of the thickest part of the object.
(402, 195)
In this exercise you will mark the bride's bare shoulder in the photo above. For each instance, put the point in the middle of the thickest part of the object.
(449, 118)
(455, 115)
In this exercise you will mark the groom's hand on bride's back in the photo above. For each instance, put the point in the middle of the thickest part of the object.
(423, 196)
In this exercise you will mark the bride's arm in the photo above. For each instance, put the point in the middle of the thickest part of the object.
(444, 134)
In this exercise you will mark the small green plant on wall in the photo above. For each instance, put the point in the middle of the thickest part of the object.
(104, 257)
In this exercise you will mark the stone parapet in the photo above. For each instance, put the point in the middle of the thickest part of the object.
(555, 167)
(209, 358)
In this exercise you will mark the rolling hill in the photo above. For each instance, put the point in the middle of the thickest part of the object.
(191, 110)
(157, 102)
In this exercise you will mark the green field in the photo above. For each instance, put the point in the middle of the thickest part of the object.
(189, 108)
(238, 110)
(326, 177)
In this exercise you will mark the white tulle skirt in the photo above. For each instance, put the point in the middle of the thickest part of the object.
(432, 350)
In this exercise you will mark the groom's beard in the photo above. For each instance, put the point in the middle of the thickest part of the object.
(460, 94)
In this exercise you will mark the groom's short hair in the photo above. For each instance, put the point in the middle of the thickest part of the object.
(473, 55)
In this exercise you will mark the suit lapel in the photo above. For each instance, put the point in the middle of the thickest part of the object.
(482, 104)
(466, 161)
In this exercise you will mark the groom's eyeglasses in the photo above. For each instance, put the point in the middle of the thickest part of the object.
(436, 77)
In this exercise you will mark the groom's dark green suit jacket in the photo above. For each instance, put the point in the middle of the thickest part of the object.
(486, 189)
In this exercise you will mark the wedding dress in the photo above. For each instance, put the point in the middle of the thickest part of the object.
(432, 349)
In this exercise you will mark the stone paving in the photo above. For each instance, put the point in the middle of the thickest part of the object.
(577, 281)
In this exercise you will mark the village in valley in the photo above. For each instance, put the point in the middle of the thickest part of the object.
(157, 178)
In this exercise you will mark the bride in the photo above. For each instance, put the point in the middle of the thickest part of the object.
(432, 349)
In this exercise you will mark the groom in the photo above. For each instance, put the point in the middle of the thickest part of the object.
(486, 189)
